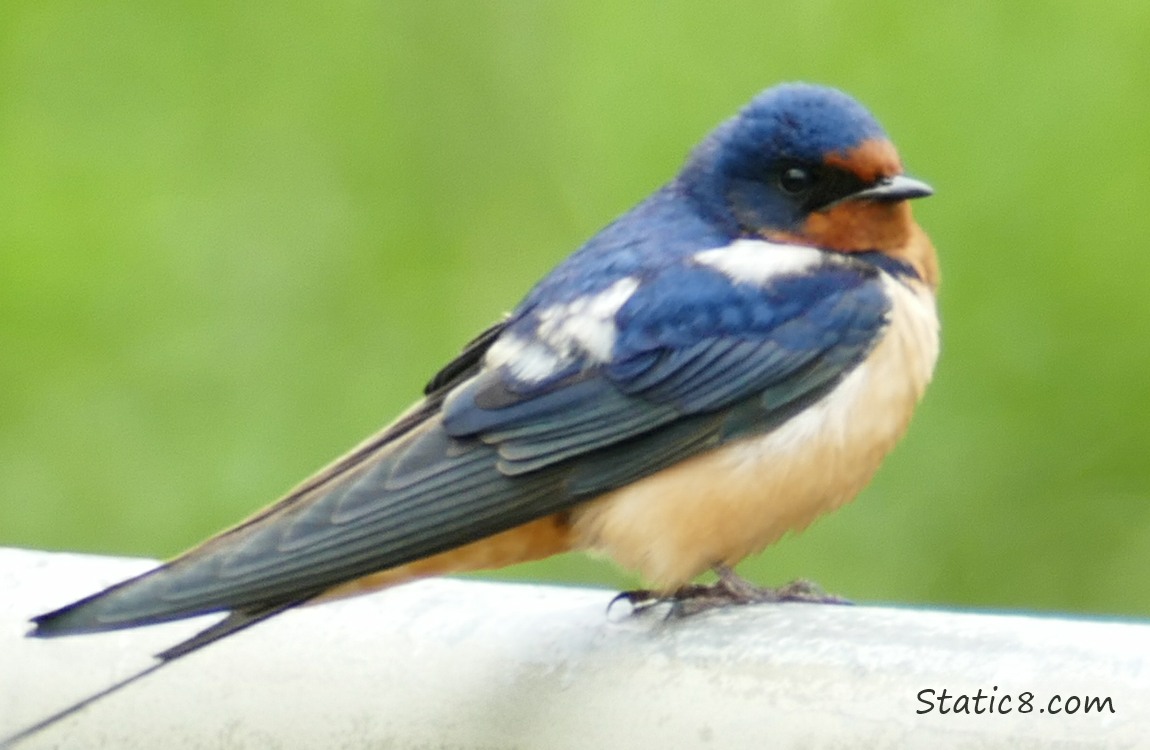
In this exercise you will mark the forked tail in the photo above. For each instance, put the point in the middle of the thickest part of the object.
(233, 623)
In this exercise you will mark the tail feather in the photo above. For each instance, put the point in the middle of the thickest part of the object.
(64, 622)
(230, 625)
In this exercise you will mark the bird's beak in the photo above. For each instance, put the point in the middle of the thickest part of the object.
(891, 189)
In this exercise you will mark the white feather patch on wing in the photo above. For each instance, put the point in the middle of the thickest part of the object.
(757, 261)
(586, 324)
(582, 327)
(529, 361)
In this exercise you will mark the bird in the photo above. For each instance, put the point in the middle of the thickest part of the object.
(723, 363)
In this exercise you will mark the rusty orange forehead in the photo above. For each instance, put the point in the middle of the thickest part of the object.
(870, 160)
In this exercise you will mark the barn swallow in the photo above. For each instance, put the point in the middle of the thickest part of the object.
(723, 363)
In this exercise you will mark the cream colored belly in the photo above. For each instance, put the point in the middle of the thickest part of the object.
(724, 505)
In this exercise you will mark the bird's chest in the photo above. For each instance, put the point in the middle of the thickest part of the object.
(721, 506)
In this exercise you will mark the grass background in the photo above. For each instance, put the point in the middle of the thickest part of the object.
(236, 238)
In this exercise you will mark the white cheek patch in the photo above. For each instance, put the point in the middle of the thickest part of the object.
(757, 261)
(585, 326)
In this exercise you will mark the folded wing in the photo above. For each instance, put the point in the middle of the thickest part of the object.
(487, 451)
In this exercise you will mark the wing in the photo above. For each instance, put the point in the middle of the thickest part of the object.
(695, 358)
(689, 343)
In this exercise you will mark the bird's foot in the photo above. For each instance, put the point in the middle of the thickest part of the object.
(730, 589)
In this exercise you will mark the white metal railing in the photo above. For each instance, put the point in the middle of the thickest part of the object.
(465, 664)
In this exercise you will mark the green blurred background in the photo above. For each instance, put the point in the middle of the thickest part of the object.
(237, 237)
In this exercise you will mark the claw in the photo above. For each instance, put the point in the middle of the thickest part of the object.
(639, 600)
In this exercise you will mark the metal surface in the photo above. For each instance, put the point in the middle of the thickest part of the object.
(465, 664)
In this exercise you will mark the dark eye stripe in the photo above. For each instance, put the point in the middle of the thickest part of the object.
(832, 185)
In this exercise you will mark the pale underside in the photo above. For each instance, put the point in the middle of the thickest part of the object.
(721, 506)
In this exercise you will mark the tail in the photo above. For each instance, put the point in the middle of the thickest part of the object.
(397, 497)
(57, 623)
(147, 599)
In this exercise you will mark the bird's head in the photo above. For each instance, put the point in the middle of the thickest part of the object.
(809, 165)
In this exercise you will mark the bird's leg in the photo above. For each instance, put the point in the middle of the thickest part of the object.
(731, 588)
(742, 591)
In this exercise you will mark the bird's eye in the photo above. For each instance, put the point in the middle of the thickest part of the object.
(796, 180)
